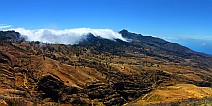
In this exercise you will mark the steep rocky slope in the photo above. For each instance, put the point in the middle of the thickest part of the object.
(96, 71)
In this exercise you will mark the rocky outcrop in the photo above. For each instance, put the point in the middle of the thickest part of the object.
(54, 88)
(104, 93)
(51, 86)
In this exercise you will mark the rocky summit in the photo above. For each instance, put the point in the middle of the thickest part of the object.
(141, 71)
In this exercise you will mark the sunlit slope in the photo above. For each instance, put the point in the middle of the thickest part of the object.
(180, 93)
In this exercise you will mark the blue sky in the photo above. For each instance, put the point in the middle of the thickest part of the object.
(188, 22)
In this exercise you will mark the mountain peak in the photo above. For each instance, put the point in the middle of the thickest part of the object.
(124, 31)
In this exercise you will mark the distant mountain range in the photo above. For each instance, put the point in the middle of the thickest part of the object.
(99, 71)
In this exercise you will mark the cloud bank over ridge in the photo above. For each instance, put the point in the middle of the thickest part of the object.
(74, 36)
(67, 36)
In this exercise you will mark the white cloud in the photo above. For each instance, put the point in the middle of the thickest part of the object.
(203, 44)
(67, 36)
(2, 26)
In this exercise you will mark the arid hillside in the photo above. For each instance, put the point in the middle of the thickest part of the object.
(180, 94)
(99, 71)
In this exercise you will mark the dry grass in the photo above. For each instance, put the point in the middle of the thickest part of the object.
(175, 93)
